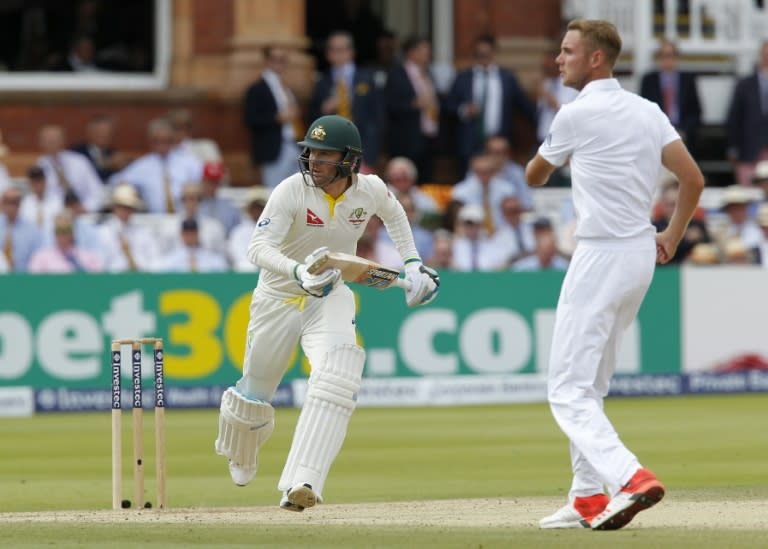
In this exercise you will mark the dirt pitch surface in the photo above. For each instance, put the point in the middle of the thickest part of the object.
(489, 513)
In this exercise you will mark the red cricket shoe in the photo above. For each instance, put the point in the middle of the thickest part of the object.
(576, 514)
(641, 492)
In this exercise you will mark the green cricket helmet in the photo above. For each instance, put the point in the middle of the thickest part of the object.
(332, 133)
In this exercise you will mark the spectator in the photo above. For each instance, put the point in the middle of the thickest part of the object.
(158, 175)
(421, 236)
(473, 249)
(497, 147)
(205, 150)
(127, 244)
(735, 203)
(188, 256)
(387, 53)
(98, 147)
(696, 232)
(65, 256)
(87, 233)
(515, 237)
(413, 107)
(240, 237)
(760, 178)
(5, 177)
(213, 205)
(350, 91)
(210, 232)
(401, 176)
(484, 187)
(38, 206)
(81, 56)
(703, 254)
(270, 113)
(546, 255)
(66, 170)
(442, 251)
(747, 122)
(675, 92)
(736, 252)
(19, 238)
(487, 100)
(760, 252)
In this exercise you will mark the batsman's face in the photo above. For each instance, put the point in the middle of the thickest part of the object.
(323, 166)
(574, 60)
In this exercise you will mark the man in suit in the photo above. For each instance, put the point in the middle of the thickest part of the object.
(413, 108)
(486, 99)
(675, 92)
(747, 122)
(270, 112)
(349, 91)
(98, 148)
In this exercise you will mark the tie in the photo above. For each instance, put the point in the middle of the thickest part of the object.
(192, 262)
(474, 255)
(342, 93)
(63, 181)
(169, 207)
(8, 247)
(488, 218)
(70, 256)
(670, 101)
(127, 252)
(519, 238)
(39, 216)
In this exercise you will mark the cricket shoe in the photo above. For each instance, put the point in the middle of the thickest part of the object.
(576, 514)
(641, 492)
(240, 475)
(299, 497)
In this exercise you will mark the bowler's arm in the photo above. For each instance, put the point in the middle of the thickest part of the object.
(538, 170)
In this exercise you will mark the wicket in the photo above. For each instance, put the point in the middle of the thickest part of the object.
(137, 413)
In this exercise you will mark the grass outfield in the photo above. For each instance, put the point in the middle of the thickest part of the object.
(708, 448)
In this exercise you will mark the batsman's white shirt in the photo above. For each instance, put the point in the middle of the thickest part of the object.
(297, 220)
(614, 140)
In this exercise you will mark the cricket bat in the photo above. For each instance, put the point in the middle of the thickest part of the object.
(359, 270)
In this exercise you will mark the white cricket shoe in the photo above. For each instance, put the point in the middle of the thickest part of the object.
(240, 475)
(576, 514)
(299, 497)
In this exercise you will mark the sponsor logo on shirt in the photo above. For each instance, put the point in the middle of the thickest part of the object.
(358, 216)
(313, 219)
(264, 222)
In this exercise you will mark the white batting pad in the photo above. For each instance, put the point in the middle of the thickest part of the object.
(244, 425)
(322, 426)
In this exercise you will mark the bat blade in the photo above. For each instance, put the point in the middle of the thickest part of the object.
(359, 270)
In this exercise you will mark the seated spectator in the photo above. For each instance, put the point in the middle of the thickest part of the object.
(189, 256)
(485, 188)
(760, 252)
(128, 245)
(514, 238)
(703, 254)
(68, 171)
(65, 256)
(159, 175)
(401, 175)
(498, 148)
(38, 206)
(760, 178)
(421, 236)
(5, 177)
(442, 251)
(473, 249)
(546, 255)
(98, 147)
(696, 231)
(210, 231)
(87, 233)
(18, 237)
(205, 150)
(735, 252)
(735, 203)
(240, 237)
(213, 205)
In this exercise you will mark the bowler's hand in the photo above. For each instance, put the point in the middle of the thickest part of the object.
(666, 247)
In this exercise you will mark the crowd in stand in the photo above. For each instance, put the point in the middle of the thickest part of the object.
(86, 208)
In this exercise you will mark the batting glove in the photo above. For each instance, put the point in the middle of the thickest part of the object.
(425, 283)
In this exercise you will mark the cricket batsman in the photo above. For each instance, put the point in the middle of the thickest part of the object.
(320, 209)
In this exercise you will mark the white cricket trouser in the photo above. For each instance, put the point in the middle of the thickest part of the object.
(601, 294)
(276, 326)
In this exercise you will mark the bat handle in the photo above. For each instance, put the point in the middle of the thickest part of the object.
(402, 283)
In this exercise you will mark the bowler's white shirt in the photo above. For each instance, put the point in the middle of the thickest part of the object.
(299, 218)
(613, 139)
